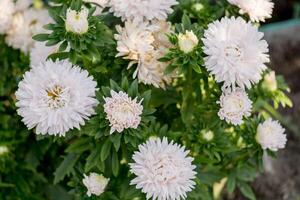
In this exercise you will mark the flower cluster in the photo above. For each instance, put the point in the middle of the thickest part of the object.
(20, 21)
(58, 95)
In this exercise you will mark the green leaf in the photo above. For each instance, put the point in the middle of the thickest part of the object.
(231, 183)
(79, 146)
(93, 159)
(63, 46)
(115, 163)
(41, 37)
(246, 191)
(105, 149)
(133, 90)
(186, 22)
(65, 167)
(116, 140)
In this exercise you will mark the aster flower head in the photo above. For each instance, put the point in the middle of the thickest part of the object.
(258, 10)
(6, 12)
(122, 111)
(236, 52)
(55, 97)
(95, 184)
(235, 105)
(142, 10)
(77, 21)
(270, 135)
(163, 170)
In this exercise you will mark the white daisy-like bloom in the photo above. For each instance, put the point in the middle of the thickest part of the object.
(95, 183)
(235, 105)
(188, 41)
(163, 170)
(258, 10)
(55, 97)
(6, 12)
(132, 39)
(236, 52)
(142, 10)
(77, 21)
(270, 135)
(25, 25)
(144, 44)
(40, 52)
(122, 111)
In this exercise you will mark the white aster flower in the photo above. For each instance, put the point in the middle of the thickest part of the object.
(6, 12)
(40, 52)
(270, 135)
(25, 25)
(132, 39)
(122, 112)
(258, 10)
(142, 10)
(95, 183)
(270, 82)
(77, 21)
(55, 97)
(187, 42)
(236, 52)
(144, 44)
(234, 106)
(164, 170)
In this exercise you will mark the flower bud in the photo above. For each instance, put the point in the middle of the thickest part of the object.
(188, 41)
(77, 21)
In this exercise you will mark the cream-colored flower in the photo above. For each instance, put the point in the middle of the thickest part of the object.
(188, 41)
(144, 44)
(24, 26)
(270, 135)
(235, 105)
(77, 21)
(95, 183)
